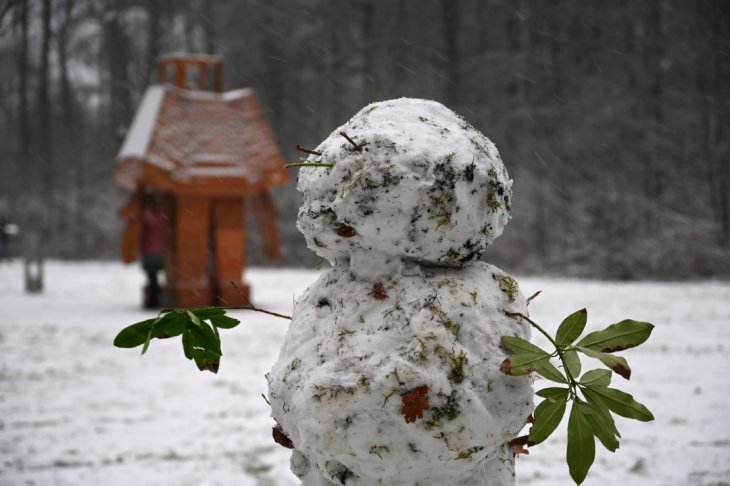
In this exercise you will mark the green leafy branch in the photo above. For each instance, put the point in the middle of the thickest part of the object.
(198, 327)
(593, 400)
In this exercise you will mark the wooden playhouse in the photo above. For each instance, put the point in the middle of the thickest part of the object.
(213, 158)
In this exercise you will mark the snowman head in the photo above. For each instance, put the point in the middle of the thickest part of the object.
(411, 179)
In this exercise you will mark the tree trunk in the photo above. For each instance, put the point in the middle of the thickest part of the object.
(720, 148)
(207, 14)
(118, 59)
(154, 30)
(44, 105)
(370, 74)
(450, 16)
(654, 97)
(24, 131)
(70, 136)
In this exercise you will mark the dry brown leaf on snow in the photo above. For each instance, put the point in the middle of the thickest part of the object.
(414, 403)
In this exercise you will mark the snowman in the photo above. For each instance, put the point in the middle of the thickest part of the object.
(389, 373)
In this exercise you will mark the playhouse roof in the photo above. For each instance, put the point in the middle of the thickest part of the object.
(200, 142)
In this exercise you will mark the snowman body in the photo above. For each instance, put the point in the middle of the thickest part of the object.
(389, 373)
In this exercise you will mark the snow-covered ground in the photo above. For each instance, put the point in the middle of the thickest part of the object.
(74, 410)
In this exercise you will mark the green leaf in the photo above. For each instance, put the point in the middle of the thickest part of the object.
(193, 318)
(207, 361)
(581, 444)
(621, 403)
(205, 313)
(521, 364)
(519, 345)
(168, 320)
(572, 362)
(596, 377)
(205, 338)
(150, 335)
(187, 342)
(224, 322)
(201, 343)
(547, 418)
(599, 406)
(217, 334)
(549, 371)
(616, 337)
(170, 325)
(134, 335)
(571, 327)
(602, 425)
(553, 393)
(618, 364)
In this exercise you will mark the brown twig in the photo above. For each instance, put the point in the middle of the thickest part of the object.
(306, 150)
(308, 164)
(535, 325)
(533, 296)
(357, 147)
(252, 307)
(522, 316)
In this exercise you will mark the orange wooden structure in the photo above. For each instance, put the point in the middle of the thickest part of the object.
(212, 156)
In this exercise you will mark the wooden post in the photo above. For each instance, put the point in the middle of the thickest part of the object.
(202, 75)
(217, 85)
(132, 236)
(181, 75)
(33, 261)
(168, 297)
(229, 251)
(263, 210)
(190, 281)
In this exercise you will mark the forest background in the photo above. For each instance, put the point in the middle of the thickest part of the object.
(612, 117)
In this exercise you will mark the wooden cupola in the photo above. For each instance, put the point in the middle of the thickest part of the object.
(191, 71)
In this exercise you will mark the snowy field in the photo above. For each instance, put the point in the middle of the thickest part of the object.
(76, 411)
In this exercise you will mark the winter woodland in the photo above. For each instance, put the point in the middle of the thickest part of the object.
(611, 116)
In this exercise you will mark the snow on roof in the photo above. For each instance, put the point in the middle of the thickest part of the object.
(139, 135)
(193, 135)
